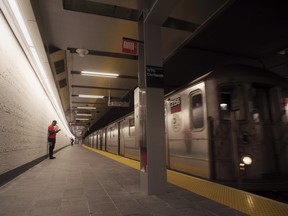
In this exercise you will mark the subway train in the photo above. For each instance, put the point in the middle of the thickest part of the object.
(228, 126)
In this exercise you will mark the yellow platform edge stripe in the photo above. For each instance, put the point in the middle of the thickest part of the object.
(242, 201)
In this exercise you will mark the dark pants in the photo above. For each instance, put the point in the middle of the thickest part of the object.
(51, 142)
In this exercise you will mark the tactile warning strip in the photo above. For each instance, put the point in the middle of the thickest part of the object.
(240, 200)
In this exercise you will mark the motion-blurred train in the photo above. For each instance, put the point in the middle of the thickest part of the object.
(228, 126)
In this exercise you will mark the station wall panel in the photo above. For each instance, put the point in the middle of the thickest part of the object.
(25, 109)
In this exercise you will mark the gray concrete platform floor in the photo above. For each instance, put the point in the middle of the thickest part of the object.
(82, 183)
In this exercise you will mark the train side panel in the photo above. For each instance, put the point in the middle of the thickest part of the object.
(128, 145)
(112, 138)
(104, 139)
(187, 131)
(99, 140)
(95, 140)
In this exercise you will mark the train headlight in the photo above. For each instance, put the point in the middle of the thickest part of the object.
(247, 160)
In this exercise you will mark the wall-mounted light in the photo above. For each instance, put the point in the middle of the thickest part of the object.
(99, 74)
(83, 114)
(91, 108)
(90, 96)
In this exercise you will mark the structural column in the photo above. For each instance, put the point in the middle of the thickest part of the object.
(149, 99)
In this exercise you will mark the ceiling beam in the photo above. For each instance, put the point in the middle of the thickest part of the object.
(118, 12)
(180, 24)
(103, 88)
(93, 7)
(106, 54)
(160, 11)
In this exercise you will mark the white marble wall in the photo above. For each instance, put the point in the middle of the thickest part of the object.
(25, 109)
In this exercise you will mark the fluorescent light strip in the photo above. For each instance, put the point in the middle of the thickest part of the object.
(114, 77)
(94, 108)
(83, 114)
(18, 16)
(90, 96)
(82, 119)
(21, 23)
(99, 74)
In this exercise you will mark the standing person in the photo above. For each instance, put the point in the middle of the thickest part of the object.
(52, 138)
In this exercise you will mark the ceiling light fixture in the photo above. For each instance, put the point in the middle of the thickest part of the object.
(99, 74)
(83, 114)
(91, 108)
(82, 119)
(90, 96)
(82, 52)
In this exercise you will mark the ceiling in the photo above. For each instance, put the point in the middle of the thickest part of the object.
(197, 36)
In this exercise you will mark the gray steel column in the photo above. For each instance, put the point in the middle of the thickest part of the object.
(155, 125)
(149, 98)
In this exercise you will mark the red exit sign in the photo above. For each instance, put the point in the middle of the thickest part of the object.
(129, 46)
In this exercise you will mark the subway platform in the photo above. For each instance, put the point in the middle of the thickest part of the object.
(80, 182)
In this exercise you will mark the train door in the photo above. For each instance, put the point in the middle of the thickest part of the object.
(113, 138)
(199, 144)
(122, 130)
(282, 135)
(96, 140)
(91, 141)
(104, 139)
(100, 139)
(262, 122)
(246, 132)
(187, 133)
(233, 120)
(166, 133)
(108, 138)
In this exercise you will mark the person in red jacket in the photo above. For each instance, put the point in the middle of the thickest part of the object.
(52, 131)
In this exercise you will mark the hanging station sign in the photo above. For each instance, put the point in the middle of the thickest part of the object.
(154, 77)
(129, 46)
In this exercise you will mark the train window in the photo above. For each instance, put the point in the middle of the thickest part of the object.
(262, 99)
(131, 127)
(225, 102)
(197, 112)
(231, 99)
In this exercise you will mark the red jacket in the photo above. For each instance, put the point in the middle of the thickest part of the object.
(51, 132)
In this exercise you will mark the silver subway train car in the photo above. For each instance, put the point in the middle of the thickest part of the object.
(229, 125)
